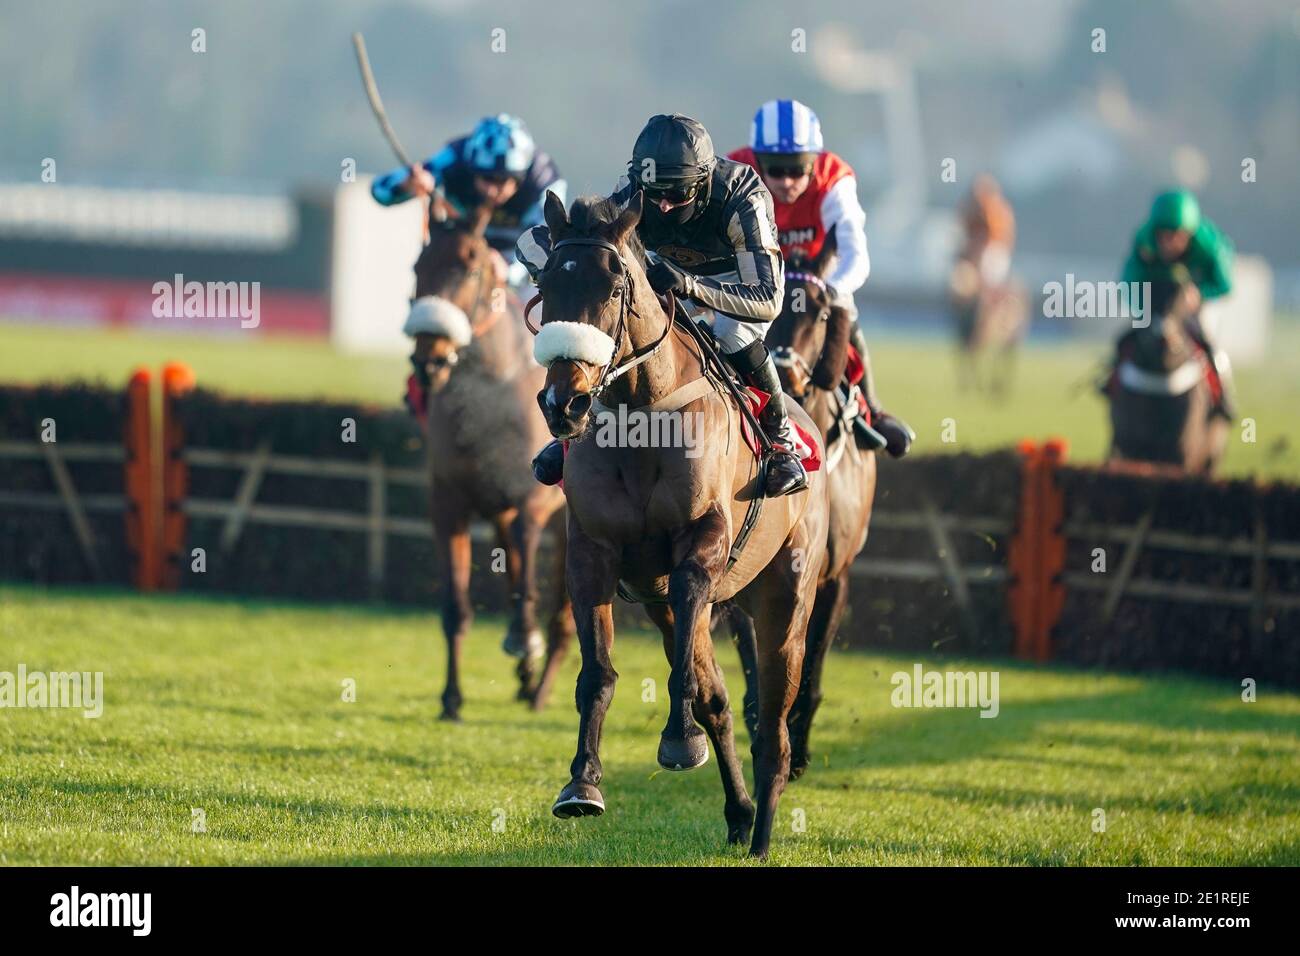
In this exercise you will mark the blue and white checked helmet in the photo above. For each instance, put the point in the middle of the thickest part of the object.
(500, 144)
(785, 126)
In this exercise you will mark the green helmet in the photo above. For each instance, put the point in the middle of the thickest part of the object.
(1176, 210)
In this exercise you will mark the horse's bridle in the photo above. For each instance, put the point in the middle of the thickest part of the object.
(784, 356)
(800, 276)
(612, 372)
(476, 329)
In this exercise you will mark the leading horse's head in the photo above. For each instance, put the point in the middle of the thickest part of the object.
(454, 278)
(1164, 344)
(590, 287)
(810, 338)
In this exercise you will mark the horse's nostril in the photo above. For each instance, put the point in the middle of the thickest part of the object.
(579, 405)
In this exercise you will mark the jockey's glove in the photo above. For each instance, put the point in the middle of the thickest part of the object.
(663, 277)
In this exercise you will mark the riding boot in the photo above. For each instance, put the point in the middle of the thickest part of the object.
(548, 466)
(1223, 404)
(785, 472)
(898, 435)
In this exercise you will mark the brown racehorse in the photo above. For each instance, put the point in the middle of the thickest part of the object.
(810, 341)
(662, 521)
(1160, 399)
(482, 429)
(990, 323)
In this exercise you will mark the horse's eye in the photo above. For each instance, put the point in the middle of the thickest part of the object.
(618, 291)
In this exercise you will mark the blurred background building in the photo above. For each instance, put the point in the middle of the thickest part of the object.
(226, 163)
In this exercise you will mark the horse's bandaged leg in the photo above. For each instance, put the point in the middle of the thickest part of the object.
(434, 315)
(576, 341)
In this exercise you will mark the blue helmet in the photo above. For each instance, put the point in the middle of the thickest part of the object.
(500, 144)
(785, 126)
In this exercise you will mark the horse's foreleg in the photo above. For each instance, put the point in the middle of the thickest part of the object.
(713, 711)
(452, 531)
(682, 746)
(559, 630)
(523, 637)
(592, 576)
(827, 611)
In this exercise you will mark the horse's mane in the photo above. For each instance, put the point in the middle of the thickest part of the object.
(589, 213)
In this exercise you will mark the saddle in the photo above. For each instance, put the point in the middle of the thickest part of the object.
(757, 399)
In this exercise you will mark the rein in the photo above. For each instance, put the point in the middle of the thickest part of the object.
(612, 372)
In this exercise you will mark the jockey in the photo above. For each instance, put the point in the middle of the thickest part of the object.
(990, 227)
(815, 193)
(1176, 237)
(496, 165)
(708, 225)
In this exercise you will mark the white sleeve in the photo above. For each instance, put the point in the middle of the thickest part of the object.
(842, 212)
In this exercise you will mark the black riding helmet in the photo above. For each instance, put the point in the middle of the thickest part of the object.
(673, 158)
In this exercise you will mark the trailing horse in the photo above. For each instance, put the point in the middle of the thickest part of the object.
(662, 524)
(810, 342)
(990, 323)
(1160, 394)
(481, 426)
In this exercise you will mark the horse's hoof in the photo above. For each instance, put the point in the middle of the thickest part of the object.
(683, 754)
(740, 823)
(450, 716)
(524, 645)
(579, 799)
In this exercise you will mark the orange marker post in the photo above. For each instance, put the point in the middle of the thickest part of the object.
(178, 380)
(142, 538)
(1022, 555)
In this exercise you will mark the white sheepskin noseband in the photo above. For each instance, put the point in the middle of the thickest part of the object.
(572, 340)
(434, 315)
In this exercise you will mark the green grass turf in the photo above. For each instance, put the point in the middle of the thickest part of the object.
(916, 379)
(235, 708)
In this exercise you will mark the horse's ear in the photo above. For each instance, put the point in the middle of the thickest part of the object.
(557, 219)
(629, 218)
(821, 264)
